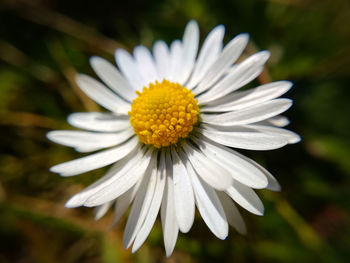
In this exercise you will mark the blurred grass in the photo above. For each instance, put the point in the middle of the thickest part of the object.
(44, 43)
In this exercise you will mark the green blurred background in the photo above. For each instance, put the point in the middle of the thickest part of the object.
(44, 43)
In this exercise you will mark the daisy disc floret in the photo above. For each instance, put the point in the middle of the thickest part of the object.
(175, 119)
(163, 112)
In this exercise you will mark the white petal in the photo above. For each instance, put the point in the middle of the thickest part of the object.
(142, 203)
(273, 184)
(146, 64)
(176, 52)
(279, 121)
(101, 210)
(127, 173)
(211, 172)
(129, 68)
(168, 218)
(122, 203)
(100, 94)
(190, 42)
(248, 98)
(246, 197)
(79, 199)
(96, 160)
(154, 207)
(252, 114)
(238, 76)
(240, 169)
(228, 56)
(207, 55)
(110, 75)
(183, 194)
(237, 82)
(244, 138)
(292, 137)
(90, 140)
(162, 59)
(87, 149)
(233, 215)
(98, 121)
(209, 205)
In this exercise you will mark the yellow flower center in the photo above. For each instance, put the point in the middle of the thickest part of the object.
(163, 112)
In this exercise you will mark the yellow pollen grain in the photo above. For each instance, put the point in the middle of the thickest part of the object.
(163, 112)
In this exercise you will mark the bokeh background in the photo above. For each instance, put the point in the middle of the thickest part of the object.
(43, 43)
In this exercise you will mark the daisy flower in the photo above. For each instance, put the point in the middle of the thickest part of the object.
(174, 119)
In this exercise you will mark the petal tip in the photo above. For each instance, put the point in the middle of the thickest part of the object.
(168, 253)
(55, 169)
(288, 83)
(50, 135)
(295, 140)
(260, 212)
(243, 37)
(73, 202)
(220, 29)
(94, 59)
(223, 235)
(262, 184)
(275, 187)
(192, 23)
(265, 55)
(120, 52)
(80, 78)
(184, 229)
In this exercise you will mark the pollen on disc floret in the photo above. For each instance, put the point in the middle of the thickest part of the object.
(163, 112)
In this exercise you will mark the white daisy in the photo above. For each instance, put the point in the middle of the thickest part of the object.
(174, 118)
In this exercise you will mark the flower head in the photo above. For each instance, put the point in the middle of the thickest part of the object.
(163, 113)
(174, 118)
